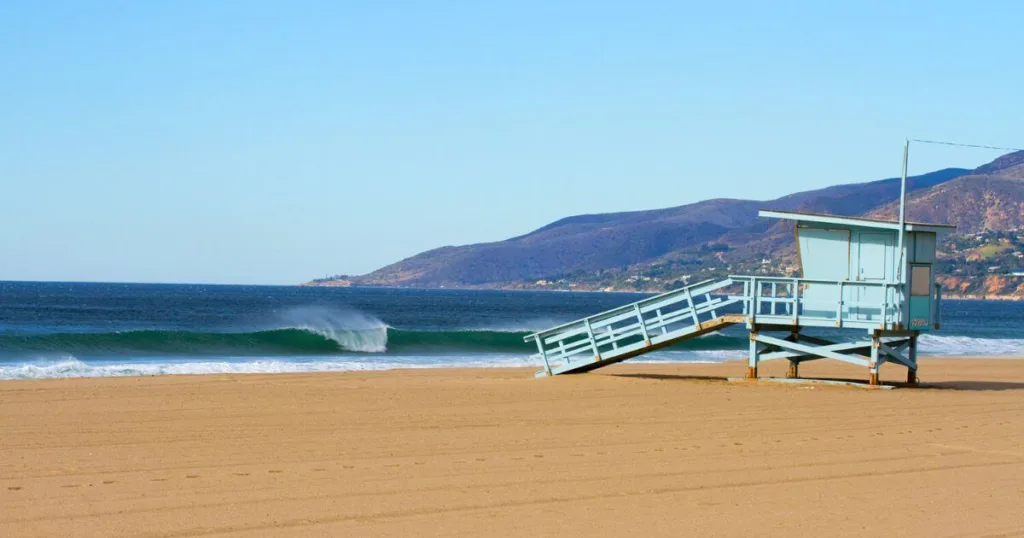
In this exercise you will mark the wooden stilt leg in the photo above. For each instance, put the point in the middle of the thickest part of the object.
(912, 356)
(752, 358)
(875, 360)
(794, 365)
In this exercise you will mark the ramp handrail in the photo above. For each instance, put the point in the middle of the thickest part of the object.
(625, 329)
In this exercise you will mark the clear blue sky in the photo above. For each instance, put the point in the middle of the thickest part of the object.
(272, 142)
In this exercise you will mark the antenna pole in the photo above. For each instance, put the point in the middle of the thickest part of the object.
(903, 227)
(903, 189)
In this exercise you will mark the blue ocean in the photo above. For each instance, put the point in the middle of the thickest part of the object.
(88, 330)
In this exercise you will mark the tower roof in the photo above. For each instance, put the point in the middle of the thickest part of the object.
(854, 221)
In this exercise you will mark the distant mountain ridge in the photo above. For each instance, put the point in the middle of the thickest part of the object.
(661, 246)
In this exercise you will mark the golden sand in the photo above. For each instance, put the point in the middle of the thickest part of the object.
(639, 450)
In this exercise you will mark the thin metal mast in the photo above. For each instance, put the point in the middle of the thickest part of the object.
(903, 223)
(903, 189)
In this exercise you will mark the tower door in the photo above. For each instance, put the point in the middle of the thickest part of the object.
(874, 264)
(874, 260)
(921, 296)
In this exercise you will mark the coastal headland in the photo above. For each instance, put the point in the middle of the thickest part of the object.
(633, 449)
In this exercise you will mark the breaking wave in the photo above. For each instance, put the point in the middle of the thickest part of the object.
(309, 340)
(284, 341)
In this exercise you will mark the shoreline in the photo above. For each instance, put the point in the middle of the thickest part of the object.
(353, 285)
(670, 449)
(725, 369)
(143, 369)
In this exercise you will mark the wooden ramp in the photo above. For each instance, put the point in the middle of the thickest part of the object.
(635, 329)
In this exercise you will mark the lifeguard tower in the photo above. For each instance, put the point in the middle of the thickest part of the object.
(874, 278)
(856, 274)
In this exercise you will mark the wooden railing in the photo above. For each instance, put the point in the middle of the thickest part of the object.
(624, 330)
(812, 301)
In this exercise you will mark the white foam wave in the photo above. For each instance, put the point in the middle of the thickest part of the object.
(967, 346)
(70, 366)
(351, 329)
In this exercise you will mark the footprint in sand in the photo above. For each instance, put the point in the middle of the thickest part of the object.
(71, 485)
(159, 480)
(538, 455)
(108, 481)
(191, 476)
(319, 469)
(420, 463)
(349, 466)
(481, 459)
(13, 488)
(240, 474)
(275, 471)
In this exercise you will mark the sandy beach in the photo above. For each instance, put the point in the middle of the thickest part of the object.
(669, 450)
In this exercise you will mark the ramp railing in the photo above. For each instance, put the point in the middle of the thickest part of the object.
(632, 329)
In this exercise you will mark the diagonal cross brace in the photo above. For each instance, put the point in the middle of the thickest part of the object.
(820, 351)
(852, 347)
(893, 352)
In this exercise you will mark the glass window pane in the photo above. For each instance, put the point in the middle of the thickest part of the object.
(921, 281)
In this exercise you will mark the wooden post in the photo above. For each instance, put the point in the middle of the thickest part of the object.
(794, 364)
(753, 301)
(796, 301)
(593, 341)
(752, 358)
(874, 364)
(543, 354)
(839, 306)
(643, 325)
(912, 356)
(693, 308)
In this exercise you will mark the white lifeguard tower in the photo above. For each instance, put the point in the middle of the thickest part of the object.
(875, 278)
(856, 274)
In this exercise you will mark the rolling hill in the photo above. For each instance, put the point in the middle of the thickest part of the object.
(660, 248)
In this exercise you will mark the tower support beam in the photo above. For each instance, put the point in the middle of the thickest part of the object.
(897, 347)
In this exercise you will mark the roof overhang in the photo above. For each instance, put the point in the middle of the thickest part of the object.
(855, 221)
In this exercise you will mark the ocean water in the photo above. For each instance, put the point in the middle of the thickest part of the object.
(84, 329)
